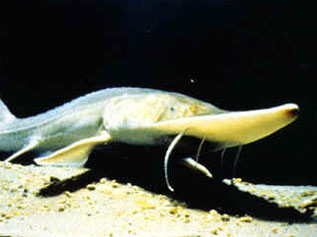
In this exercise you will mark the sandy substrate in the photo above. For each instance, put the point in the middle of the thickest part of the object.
(48, 201)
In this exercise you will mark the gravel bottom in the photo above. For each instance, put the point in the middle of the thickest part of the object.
(36, 201)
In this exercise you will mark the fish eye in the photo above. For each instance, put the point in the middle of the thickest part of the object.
(172, 108)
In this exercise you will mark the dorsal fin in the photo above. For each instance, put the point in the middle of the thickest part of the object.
(5, 114)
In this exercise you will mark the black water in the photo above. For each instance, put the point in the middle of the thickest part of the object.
(235, 54)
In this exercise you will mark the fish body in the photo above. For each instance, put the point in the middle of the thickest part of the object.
(117, 110)
(68, 133)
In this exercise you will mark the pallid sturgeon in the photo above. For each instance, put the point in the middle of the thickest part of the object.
(67, 134)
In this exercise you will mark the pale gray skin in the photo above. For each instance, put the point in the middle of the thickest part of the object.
(68, 133)
(114, 110)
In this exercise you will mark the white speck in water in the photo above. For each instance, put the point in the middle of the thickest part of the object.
(192, 80)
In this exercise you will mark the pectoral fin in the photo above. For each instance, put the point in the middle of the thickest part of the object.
(75, 154)
(34, 143)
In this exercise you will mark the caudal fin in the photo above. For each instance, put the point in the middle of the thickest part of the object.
(5, 114)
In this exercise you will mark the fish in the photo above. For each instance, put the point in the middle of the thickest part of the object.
(66, 135)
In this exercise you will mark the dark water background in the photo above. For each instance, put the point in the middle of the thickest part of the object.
(237, 55)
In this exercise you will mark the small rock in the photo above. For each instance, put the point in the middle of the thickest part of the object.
(91, 187)
(225, 217)
(245, 219)
(103, 180)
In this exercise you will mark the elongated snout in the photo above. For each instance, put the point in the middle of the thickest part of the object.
(234, 128)
(239, 128)
(292, 110)
(249, 126)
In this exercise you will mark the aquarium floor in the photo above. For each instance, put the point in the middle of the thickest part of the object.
(49, 201)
